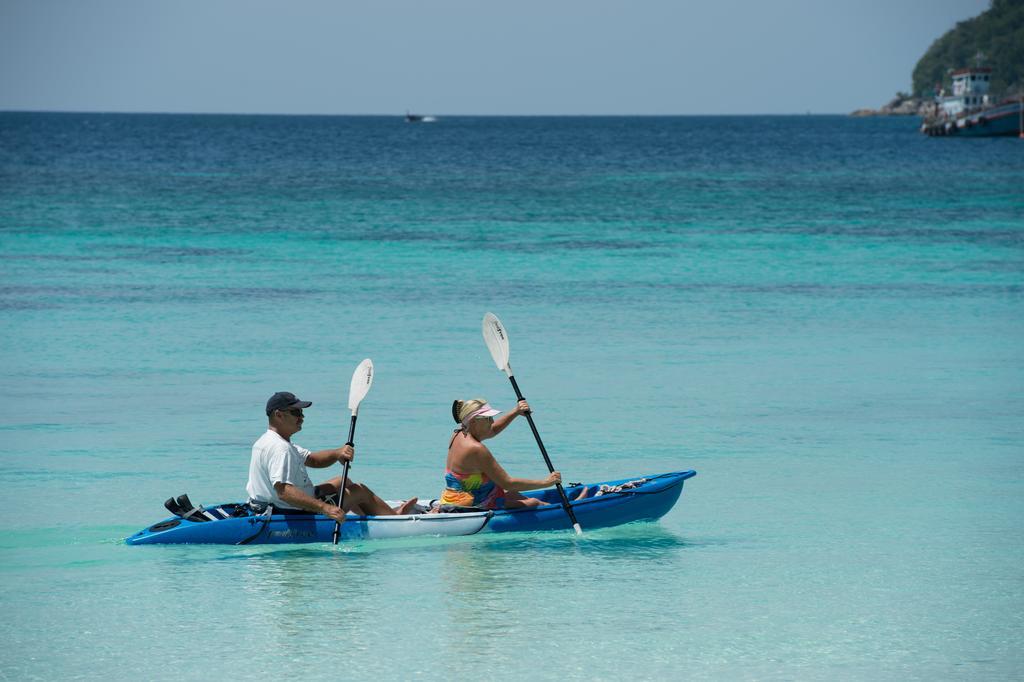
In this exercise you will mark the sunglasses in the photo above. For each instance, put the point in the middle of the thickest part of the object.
(295, 412)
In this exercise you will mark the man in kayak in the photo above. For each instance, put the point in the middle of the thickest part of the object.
(278, 470)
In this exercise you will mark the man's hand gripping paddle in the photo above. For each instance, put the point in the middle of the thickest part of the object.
(362, 379)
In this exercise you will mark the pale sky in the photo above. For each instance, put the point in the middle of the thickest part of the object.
(464, 56)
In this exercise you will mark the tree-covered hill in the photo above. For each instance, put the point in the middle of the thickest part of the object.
(997, 34)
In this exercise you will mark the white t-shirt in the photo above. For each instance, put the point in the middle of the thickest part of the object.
(275, 460)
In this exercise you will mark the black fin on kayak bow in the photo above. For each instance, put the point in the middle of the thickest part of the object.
(182, 507)
(187, 510)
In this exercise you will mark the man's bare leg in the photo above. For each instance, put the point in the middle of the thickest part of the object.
(359, 499)
(330, 488)
(371, 504)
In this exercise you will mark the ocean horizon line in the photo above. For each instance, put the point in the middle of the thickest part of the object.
(402, 115)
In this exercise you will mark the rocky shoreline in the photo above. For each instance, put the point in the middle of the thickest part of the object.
(901, 105)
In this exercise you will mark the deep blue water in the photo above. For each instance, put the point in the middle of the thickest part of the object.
(823, 316)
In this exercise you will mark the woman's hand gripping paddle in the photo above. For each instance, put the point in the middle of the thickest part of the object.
(362, 379)
(497, 342)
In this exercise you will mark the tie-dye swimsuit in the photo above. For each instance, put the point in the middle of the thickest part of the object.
(472, 490)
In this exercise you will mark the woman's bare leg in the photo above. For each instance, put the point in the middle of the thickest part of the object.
(514, 500)
(517, 501)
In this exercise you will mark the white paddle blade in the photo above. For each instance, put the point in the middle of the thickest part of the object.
(362, 379)
(496, 340)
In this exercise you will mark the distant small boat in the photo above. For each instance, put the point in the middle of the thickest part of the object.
(418, 118)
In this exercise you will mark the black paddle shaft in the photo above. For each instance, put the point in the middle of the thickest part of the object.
(544, 452)
(344, 477)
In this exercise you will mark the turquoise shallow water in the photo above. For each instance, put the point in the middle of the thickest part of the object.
(822, 316)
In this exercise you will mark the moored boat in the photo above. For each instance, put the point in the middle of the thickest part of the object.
(971, 112)
(606, 503)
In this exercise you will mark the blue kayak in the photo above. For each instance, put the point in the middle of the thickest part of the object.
(239, 526)
(607, 503)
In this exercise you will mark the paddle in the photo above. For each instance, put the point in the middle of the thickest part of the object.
(497, 342)
(362, 379)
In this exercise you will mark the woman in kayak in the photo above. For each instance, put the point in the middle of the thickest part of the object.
(473, 477)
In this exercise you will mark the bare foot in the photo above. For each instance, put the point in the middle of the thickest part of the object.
(583, 493)
(407, 506)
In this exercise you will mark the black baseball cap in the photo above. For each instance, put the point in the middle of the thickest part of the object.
(283, 400)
